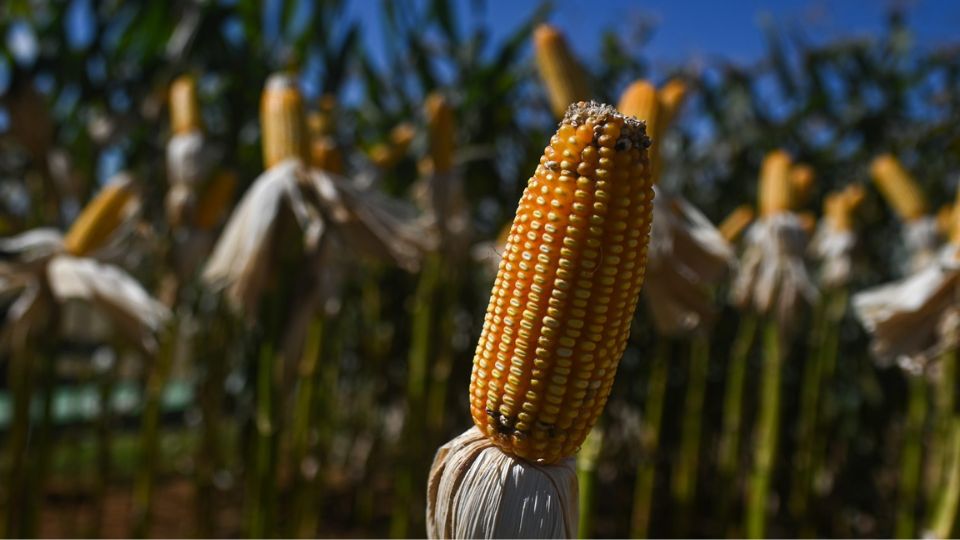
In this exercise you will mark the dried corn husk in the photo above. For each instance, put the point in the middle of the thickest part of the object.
(834, 240)
(30, 247)
(773, 278)
(914, 319)
(322, 203)
(241, 261)
(371, 223)
(833, 247)
(113, 292)
(687, 258)
(922, 240)
(475, 490)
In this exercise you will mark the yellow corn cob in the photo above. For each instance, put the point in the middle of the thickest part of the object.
(640, 100)
(566, 289)
(323, 120)
(944, 219)
(838, 207)
(387, 155)
(563, 76)
(325, 155)
(900, 190)
(100, 218)
(184, 106)
(808, 221)
(776, 192)
(671, 97)
(954, 234)
(854, 194)
(442, 132)
(802, 180)
(281, 120)
(216, 199)
(735, 223)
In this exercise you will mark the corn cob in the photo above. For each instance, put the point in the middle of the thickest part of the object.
(735, 223)
(281, 119)
(838, 207)
(802, 179)
(184, 106)
(566, 289)
(442, 132)
(386, 155)
(216, 199)
(640, 100)
(325, 155)
(563, 76)
(670, 96)
(898, 188)
(944, 219)
(776, 191)
(100, 218)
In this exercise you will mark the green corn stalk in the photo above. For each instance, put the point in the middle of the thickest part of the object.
(145, 482)
(303, 443)
(938, 449)
(728, 452)
(650, 440)
(210, 451)
(837, 304)
(407, 513)
(911, 458)
(767, 432)
(808, 418)
(106, 381)
(22, 379)
(586, 477)
(943, 520)
(684, 479)
(42, 444)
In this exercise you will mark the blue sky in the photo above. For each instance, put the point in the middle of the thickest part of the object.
(690, 30)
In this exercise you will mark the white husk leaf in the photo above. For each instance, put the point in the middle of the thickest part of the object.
(475, 490)
(834, 249)
(110, 289)
(914, 319)
(687, 258)
(33, 246)
(369, 222)
(922, 240)
(773, 278)
(445, 211)
(241, 260)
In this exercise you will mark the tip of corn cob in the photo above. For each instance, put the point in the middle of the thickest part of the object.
(802, 180)
(184, 105)
(101, 217)
(633, 134)
(281, 120)
(735, 223)
(440, 121)
(671, 97)
(838, 207)
(776, 190)
(898, 188)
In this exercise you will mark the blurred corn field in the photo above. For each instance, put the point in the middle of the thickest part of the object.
(244, 263)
